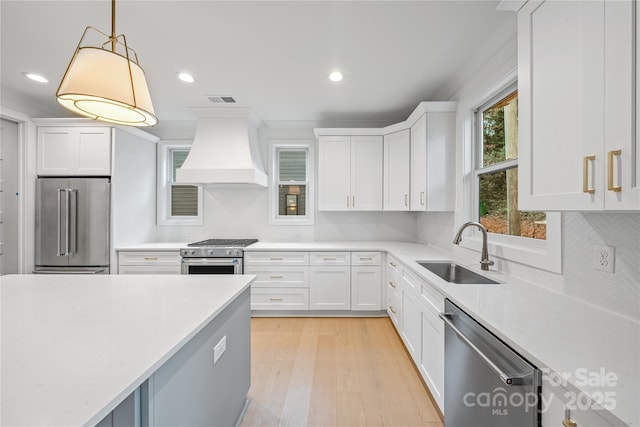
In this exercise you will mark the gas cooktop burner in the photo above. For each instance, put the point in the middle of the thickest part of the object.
(237, 243)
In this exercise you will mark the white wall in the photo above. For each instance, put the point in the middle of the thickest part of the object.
(618, 292)
(133, 188)
(241, 212)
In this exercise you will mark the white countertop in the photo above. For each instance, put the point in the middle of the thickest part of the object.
(158, 246)
(552, 330)
(73, 347)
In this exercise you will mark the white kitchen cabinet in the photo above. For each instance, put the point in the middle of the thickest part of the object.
(68, 150)
(330, 287)
(433, 162)
(411, 322)
(282, 280)
(350, 173)
(149, 262)
(366, 292)
(396, 171)
(431, 361)
(576, 139)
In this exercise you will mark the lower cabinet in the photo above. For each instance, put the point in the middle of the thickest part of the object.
(279, 298)
(432, 356)
(411, 324)
(149, 262)
(365, 288)
(280, 287)
(330, 288)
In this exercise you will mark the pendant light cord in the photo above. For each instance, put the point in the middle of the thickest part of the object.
(113, 26)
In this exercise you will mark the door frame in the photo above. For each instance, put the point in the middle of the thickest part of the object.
(26, 186)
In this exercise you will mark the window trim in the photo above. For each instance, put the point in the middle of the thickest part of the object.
(273, 217)
(542, 254)
(163, 167)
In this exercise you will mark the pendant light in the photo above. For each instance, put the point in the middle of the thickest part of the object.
(104, 81)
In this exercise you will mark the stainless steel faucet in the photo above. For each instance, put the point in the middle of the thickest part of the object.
(485, 262)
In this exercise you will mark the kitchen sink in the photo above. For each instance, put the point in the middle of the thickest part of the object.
(454, 273)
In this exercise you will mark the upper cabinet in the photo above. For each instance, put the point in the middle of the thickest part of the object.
(68, 150)
(433, 162)
(350, 173)
(577, 92)
(418, 157)
(396, 171)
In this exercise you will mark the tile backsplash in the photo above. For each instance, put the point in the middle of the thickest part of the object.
(617, 292)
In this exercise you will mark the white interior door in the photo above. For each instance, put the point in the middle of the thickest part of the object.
(8, 197)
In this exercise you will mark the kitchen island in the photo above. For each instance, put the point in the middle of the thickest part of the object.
(74, 348)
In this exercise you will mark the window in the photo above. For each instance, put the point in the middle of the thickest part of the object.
(291, 195)
(497, 171)
(178, 204)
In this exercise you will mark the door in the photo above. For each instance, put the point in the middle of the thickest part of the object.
(561, 90)
(396, 171)
(366, 173)
(8, 197)
(52, 222)
(329, 288)
(365, 288)
(89, 220)
(334, 173)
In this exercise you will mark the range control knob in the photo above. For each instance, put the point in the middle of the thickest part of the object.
(228, 252)
(192, 252)
(237, 251)
(210, 251)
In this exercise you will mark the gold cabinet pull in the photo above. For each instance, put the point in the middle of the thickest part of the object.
(610, 186)
(151, 258)
(406, 200)
(392, 264)
(353, 201)
(393, 285)
(273, 258)
(366, 258)
(422, 198)
(347, 200)
(276, 277)
(276, 299)
(330, 258)
(585, 174)
(393, 310)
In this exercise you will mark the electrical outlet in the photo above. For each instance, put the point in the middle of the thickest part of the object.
(219, 349)
(604, 258)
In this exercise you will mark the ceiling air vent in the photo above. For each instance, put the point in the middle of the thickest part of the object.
(222, 99)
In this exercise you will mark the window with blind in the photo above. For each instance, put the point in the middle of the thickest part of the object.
(178, 204)
(184, 198)
(291, 190)
(292, 182)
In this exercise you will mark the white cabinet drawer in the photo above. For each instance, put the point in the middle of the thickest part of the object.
(330, 258)
(393, 265)
(410, 282)
(279, 299)
(276, 258)
(365, 258)
(279, 277)
(429, 295)
(149, 269)
(149, 258)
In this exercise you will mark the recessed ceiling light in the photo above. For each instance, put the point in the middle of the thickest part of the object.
(186, 77)
(36, 77)
(336, 76)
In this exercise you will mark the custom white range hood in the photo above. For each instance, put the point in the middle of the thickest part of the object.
(225, 149)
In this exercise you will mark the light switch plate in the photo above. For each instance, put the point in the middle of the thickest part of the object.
(219, 349)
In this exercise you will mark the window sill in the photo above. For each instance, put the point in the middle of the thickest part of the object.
(542, 254)
(187, 222)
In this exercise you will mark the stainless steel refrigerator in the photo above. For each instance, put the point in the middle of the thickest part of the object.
(72, 225)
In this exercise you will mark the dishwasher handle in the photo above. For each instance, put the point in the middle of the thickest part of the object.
(508, 379)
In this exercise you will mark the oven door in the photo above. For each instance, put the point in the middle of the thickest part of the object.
(211, 265)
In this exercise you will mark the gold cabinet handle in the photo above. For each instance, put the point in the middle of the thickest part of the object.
(585, 174)
(151, 258)
(392, 264)
(610, 186)
(406, 200)
(422, 198)
(353, 201)
(393, 285)
(393, 310)
(276, 258)
(366, 258)
(329, 259)
(276, 277)
(347, 200)
(276, 299)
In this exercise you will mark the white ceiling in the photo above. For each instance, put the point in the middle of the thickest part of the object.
(274, 57)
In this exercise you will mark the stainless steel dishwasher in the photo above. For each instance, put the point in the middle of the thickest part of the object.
(487, 384)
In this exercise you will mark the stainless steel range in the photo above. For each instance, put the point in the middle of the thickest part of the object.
(214, 256)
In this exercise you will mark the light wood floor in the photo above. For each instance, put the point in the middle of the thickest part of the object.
(333, 372)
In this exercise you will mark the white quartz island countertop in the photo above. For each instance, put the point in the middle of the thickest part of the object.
(73, 347)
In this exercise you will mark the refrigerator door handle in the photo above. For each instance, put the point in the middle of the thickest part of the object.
(74, 193)
(67, 219)
(60, 252)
